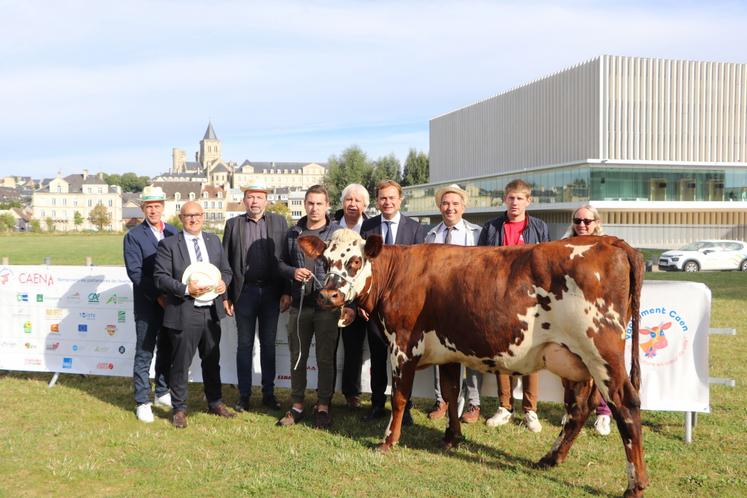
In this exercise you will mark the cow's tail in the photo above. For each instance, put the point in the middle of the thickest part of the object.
(635, 260)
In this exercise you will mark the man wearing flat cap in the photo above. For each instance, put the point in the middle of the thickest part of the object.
(254, 245)
(451, 201)
(140, 247)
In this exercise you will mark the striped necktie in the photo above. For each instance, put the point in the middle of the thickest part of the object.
(198, 253)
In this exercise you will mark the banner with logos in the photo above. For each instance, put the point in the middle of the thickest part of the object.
(79, 319)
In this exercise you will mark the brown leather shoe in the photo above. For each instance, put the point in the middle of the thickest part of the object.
(322, 420)
(471, 414)
(221, 411)
(179, 419)
(353, 401)
(438, 411)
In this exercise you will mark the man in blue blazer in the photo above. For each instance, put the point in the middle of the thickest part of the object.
(140, 245)
(193, 310)
(394, 228)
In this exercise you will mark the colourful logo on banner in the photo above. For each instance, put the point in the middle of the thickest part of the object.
(67, 363)
(74, 348)
(105, 366)
(29, 345)
(82, 328)
(664, 337)
(87, 315)
(73, 297)
(36, 278)
(5, 274)
(53, 312)
(40, 298)
(121, 350)
(115, 299)
(27, 327)
(101, 349)
(111, 329)
(32, 361)
(93, 298)
(53, 347)
(22, 297)
(121, 316)
(54, 328)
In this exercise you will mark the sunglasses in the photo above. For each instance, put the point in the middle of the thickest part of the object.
(585, 221)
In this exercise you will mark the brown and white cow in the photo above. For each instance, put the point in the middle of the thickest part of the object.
(562, 305)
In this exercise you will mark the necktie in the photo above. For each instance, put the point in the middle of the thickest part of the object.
(388, 240)
(447, 239)
(198, 253)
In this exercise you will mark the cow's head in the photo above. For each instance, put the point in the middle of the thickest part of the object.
(348, 259)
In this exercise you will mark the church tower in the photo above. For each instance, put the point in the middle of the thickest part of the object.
(209, 148)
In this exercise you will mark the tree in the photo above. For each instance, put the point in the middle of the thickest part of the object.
(9, 204)
(129, 182)
(100, 216)
(35, 226)
(174, 220)
(50, 223)
(416, 168)
(77, 219)
(7, 222)
(384, 168)
(282, 209)
(352, 166)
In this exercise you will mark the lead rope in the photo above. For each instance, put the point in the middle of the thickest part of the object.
(298, 319)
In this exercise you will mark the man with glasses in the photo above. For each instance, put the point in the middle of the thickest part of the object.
(193, 323)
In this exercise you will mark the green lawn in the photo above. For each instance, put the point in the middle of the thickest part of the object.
(63, 249)
(81, 438)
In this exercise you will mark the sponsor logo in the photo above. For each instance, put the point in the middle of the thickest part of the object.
(53, 346)
(54, 312)
(74, 348)
(54, 328)
(73, 297)
(5, 274)
(32, 361)
(93, 297)
(21, 312)
(87, 315)
(7, 344)
(22, 297)
(29, 345)
(111, 329)
(82, 328)
(121, 350)
(27, 327)
(67, 363)
(115, 299)
(36, 278)
(664, 336)
(40, 298)
(121, 316)
(103, 365)
(101, 349)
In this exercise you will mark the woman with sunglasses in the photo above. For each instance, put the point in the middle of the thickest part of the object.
(586, 221)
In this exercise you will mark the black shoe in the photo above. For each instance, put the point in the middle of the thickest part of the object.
(270, 402)
(375, 413)
(242, 405)
(407, 418)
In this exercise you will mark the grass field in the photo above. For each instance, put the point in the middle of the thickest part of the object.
(63, 249)
(81, 438)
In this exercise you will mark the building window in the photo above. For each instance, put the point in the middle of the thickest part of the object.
(64, 201)
(54, 201)
(110, 203)
(212, 204)
(220, 204)
(205, 204)
(191, 196)
(90, 202)
(177, 196)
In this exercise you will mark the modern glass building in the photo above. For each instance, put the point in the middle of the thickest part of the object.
(658, 146)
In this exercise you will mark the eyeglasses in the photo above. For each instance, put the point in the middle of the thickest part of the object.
(585, 221)
(192, 215)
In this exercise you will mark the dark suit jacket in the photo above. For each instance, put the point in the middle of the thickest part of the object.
(233, 245)
(171, 261)
(409, 231)
(140, 246)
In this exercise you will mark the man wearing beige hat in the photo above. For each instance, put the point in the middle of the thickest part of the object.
(254, 246)
(140, 247)
(451, 201)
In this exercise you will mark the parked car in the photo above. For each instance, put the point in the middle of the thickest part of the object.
(706, 255)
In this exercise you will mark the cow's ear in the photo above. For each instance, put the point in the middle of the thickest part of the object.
(373, 246)
(311, 245)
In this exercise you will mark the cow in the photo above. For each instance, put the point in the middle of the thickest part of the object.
(562, 306)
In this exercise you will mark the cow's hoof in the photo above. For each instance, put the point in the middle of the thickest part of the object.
(546, 462)
(383, 448)
(633, 493)
(452, 444)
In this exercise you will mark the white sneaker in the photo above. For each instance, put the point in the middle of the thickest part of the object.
(602, 425)
(144, 413)
(501, 417)
(532, 422)
(163, 401)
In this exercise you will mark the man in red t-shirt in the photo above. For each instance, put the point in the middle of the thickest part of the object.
(515, 227)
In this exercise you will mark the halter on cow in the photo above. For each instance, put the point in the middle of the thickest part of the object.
(562, 305)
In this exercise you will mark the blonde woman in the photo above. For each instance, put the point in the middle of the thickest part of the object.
(586, 221)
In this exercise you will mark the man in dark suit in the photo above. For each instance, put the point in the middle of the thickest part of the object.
(140, 245)
(193, 323)
(254, 244)
(395, 228)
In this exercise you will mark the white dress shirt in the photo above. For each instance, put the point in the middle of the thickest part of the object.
(189, 238)
(393, 226)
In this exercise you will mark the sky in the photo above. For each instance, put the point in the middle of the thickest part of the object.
(114, 86)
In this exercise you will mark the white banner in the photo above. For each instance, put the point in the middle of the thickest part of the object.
(78, 319)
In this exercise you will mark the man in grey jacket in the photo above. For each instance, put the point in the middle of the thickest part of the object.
(451, 201)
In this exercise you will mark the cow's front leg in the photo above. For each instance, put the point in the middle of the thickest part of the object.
(402, 379)
(450, 380)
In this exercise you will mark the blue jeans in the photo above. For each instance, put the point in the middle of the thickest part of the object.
(256, 304)
(149, 334)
